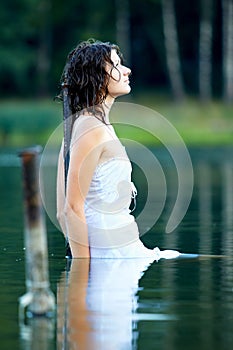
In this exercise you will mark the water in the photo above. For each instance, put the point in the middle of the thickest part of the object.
(129, 304)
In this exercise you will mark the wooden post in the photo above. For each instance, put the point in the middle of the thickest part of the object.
(39, 300)
(37, 333)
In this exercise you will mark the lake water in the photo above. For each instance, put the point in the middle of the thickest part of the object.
(129, 304)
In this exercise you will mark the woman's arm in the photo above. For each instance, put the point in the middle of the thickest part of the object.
(61, 192)
(84, 156)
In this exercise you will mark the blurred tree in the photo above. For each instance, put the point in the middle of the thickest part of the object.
(227, 14)
(36, 36)
(172, 48)
(123, 27)
(205, 49)
(43, 17)
(79, 21)
(18, 44)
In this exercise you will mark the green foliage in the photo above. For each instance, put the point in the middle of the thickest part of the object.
(198, 123)
(18, 46)
(25, 122)
(36, 36)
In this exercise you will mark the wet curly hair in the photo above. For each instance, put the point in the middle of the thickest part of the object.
(86, 78)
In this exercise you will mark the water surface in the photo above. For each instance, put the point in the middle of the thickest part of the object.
(130, 304)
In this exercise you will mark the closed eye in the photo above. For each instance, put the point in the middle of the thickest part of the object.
(117, 64)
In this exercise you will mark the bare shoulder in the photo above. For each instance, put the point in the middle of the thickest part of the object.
(87, 144)
(88, 128)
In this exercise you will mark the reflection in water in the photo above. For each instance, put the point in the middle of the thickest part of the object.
(100, 305)
(227, 208)
(205, 215)
(180, 304)
(204, 176)
(37, 333)
(96, 303)
(227, 266)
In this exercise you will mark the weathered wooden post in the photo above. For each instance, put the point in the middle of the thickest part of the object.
(37, 334)
(39, 300)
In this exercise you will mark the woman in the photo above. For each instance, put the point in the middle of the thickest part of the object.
(94, 214)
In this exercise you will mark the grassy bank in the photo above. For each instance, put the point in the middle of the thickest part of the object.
(31, 122)
(197, 123)
(26, 122)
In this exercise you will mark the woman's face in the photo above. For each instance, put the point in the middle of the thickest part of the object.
(119, 82)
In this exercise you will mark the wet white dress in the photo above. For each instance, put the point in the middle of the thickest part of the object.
(112, 230)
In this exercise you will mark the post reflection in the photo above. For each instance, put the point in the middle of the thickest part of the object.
(96, 301)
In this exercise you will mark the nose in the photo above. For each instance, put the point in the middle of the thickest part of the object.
(127, 71)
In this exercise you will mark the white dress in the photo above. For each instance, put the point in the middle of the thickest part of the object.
(112, 230)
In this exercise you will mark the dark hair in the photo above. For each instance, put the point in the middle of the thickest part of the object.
(86, 78)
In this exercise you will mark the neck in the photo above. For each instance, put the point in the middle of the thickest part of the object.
(107, 105)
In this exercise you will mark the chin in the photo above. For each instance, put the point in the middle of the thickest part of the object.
(127, 91)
